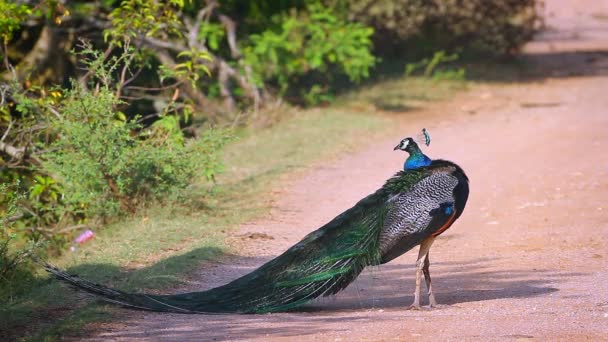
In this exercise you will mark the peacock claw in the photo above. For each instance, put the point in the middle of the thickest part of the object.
(416, 307)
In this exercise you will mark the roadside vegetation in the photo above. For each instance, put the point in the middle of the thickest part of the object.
(159, 125)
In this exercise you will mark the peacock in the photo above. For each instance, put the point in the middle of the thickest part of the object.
(412, 208)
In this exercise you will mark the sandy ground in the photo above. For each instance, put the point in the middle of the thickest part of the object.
(528, 259)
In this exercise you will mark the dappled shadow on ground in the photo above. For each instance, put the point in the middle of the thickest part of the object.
(166, 272)
(534, 67)
(387, 288)
(566, 47)
(391, 286)
(391, 92)
(568, 63)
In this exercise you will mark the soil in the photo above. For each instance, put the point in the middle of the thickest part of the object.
(528, 259)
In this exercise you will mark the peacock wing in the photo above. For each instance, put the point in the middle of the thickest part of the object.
(416, 214)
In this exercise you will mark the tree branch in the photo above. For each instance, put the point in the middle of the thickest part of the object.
(202, 16)
(12, 151)
(230, 27)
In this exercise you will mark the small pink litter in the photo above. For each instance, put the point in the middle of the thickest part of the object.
(84, 237)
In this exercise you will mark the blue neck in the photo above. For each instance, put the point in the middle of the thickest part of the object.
(415, 160)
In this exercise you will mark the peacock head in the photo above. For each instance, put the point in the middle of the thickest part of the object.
(416, 159)
(407, 145)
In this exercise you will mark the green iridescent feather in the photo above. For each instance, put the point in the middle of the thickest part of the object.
(323, 263)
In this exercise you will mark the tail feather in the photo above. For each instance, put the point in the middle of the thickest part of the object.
(135, 301)
(323, 263)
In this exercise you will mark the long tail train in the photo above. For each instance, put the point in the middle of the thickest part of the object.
(323, 263)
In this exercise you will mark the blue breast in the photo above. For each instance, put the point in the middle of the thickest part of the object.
(414, 162)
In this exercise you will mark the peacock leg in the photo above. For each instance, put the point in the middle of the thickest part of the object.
(422, 256)
(427, 278)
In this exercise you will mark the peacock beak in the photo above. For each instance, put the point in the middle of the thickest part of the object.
(398, 147)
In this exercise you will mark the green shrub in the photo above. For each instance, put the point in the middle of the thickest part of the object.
(14, 256)
(317, 40)
(94, 164)
(11, 16)
(108, 166)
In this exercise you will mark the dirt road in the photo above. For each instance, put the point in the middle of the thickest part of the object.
(527, 260)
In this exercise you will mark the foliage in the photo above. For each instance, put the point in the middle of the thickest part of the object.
(13, 255)
(95, 163)
(315, 40)
(239, 45)
(11, 17)
(246, 50)
(494, 26)
(134, 18)
(106, 169)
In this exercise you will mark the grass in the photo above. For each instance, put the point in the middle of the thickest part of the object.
(158, 248)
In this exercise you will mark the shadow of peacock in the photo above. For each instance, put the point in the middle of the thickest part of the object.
(412, 208)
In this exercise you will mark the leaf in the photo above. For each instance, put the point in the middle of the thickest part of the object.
(184, 53)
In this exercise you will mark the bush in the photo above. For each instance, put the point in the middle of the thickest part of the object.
(108, 166)
(496, 26)
(13, 255)
(314, 41)
(94, 163)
